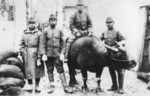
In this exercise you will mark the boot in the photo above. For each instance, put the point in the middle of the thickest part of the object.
(114, 80)
(51, 77)
(121, 81)
(64, 84)
(66, 52)
(37, 88)
(148, 87)
(51, 86)
(113, 88)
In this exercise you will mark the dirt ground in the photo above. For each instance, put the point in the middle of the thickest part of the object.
(132, 85)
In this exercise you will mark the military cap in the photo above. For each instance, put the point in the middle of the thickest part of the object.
(80, 3)
(52, 16)
(31, 20)
(109, 19)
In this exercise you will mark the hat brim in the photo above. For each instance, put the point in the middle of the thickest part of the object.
(79, 5)
(52, 18)
(31, 21)
(109, 21)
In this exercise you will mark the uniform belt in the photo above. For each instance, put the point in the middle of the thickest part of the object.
(31, 46)
(52, 46)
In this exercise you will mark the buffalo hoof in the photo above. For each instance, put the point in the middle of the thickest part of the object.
(85, 89)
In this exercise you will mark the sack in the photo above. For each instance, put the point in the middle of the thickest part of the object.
(10, 81)
(11, 71)
(6, 54)
(14, 61)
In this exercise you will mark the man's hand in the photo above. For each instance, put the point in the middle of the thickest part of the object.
(38, 62)
(62, 56)
(85, 32)
(90, 33)
(44, 57)
(122, 48)
(78, 34)
(21, 52)
(121, 45)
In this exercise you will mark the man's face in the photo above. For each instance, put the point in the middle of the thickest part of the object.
(31, 25)
(80, 8)
(110, 24)
(52, 22)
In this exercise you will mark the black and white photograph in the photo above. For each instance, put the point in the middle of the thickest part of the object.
(74, 47)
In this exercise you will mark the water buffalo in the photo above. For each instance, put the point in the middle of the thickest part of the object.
(88, 53)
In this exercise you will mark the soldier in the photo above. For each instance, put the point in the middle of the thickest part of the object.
(52, 44)
(113, 38)
(29, 50)
(80, 25)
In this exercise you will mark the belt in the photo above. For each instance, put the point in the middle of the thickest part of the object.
(31, 46)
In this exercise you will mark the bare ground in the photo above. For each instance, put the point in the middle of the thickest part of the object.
(132, 85)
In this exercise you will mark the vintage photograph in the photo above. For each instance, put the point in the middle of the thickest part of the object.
(74, 47)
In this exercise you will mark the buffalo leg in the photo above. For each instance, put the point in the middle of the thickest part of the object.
(72, 81)
(98, 79)
(84, 76)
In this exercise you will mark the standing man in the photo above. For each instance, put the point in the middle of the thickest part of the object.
(80, 25)
(29, 50)
(113, 38)
(52, 44)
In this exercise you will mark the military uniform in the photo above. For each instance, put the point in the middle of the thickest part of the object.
(52, 44)
(79, 22)
(30, 48)
(110, 38)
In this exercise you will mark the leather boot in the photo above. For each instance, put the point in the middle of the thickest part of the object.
(121, 81)
(37, 88)
(114, 80)
(113, 88)
(148, 87)
(51, 86)
(51, 77)
(66, 52)
(64, 84)
(50, 89)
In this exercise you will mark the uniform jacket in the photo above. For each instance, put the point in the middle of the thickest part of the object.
(80, 22)
(110, 36)
(52, 42)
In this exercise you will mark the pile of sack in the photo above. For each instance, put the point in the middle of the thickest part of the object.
(11, 74)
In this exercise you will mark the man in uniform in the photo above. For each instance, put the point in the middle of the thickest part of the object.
(29, 49)
(113, 38)
(52, 44)
(80, 25)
